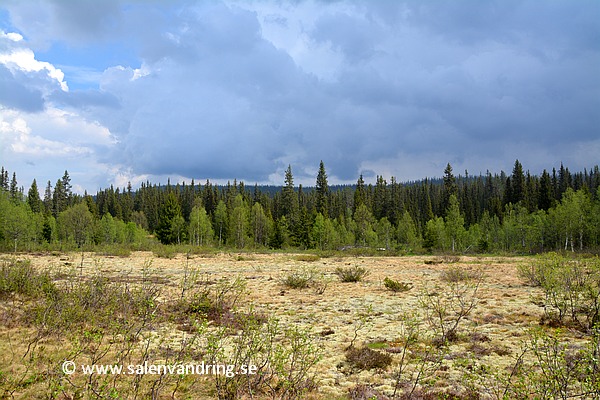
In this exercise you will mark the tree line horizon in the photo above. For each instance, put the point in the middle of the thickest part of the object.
(520, 212)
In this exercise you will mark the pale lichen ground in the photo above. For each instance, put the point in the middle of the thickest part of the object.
(504, 313)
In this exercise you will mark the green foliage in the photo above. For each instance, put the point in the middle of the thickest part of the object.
(396, 286)
(459, 274)
(169, 228)
(200, 230)
(351, 274)
(239, 223)
(76, 225)
(521, 213)
(19, 277)
(302, 278)
(284, 360)
(571, 289)
(550, 367)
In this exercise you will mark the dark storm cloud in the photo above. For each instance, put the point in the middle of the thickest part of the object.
(242, 89)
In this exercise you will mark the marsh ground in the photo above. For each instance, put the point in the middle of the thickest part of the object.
(504, 313)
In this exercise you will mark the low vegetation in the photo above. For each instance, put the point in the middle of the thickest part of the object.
(451, 334)
(351, 274)
(396, 286)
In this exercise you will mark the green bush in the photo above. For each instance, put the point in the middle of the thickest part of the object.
(571, 289)
(396, 286)
(19, 277)
(459, 274)
(351, 274)
(300, 279)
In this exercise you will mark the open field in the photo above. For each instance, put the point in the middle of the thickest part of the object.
(488, 340)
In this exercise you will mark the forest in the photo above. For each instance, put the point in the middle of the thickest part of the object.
(520, 213)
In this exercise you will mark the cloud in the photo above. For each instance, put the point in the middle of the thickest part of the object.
(14, 94)
(242, 89)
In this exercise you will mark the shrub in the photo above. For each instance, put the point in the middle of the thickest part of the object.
(19, 277)
(299, 279)
(458, 274)
(552, 367)
(446, 307)
(284, 359)
(396, 286)
(366, 358)
(351, 274)
(571, 289)
(165, 251)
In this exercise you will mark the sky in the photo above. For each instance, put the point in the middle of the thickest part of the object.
(117, 91)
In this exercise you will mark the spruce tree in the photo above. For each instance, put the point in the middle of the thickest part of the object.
(14, 188)
(3, 179)
(59, 199)
(48, 199)
(450, 188)
(360, 196)
(322, 191)
(66, 183)
(170, 213)
(380, 198)
(546, 197)
(518, 186)
(33, 198)
(289, 198)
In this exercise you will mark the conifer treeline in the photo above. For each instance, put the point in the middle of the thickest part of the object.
(492, 212)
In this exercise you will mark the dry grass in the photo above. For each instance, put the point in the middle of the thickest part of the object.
(492, 334)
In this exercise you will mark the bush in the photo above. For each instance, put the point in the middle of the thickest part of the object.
(300, 279)
(297, 280)
(366, 358)
(551, 366)
(396, 286)
(165, 251)
(446, 307)
(571, 289)
(351, 274)
(458, 274)
(19, 277)
(284, 359)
